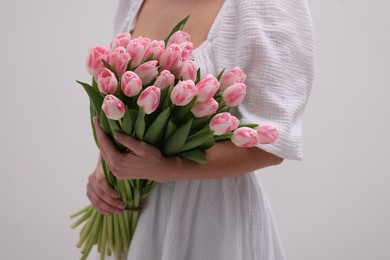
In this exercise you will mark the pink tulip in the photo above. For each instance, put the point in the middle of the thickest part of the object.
(186, 51)
(206, 88)
(147, 71)
(234, 95)
(113, 107)
(94, 60)
(223, 123)
(188, 71)
(164, 80)
(245, 137)
(131, 84)
(170, 56)
(208, 108)
(179, 37)
(119, 59)
(175, 70)
(149, 99)
(235, 75)
(121, 39)
(183, 93)
(107, 82)
(136, 49)
(268, 134)
(155, 48)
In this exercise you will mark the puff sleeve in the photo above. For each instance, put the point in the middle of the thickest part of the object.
(273, 42)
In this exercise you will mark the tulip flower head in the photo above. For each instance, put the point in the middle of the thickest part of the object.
(223, 123)
(113, 107)
(245, 137)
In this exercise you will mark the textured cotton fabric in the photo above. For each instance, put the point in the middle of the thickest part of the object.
(230, 218)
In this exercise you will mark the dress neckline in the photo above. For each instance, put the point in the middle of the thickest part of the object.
(134, 10)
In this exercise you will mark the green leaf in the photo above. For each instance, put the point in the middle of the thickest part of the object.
(223, 137)
(197, 139)
(184, 111)
(127, 123)
(94, 96)
(178, 27)
(220, 74)
(170, 129)
(92, 114)
(194, 155)
(140, 125)
(94, 84)
(156, 130)
(197, 76)
(177, 140)
(249, 125)
(104, 123)
(200, 122)
(111, 68)
(207, 144)
(114, 126)
(223, 109)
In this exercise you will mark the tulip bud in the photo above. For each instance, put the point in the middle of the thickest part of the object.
(223, 123)
(188, 71)
(179, 37)
(94, 60)
(268, 134)
(131, 84)
(245, 137)
(186, 51)
(235, 75)
(208, 108)
(164, 80)
(206, 88)
(107, 82)
(136, 49)
(183, 93)
(149, 99)
(234, 95)
(121, 39)
(147, 71)
(119, 59)
(113, 107)
(170, 56)
(155, 48)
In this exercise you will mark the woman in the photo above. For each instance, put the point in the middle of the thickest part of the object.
(217, 211)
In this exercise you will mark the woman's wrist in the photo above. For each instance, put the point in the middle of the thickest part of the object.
(224, 160)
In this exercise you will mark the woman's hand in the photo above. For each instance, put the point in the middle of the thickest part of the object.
(143, 161)
(102, 196)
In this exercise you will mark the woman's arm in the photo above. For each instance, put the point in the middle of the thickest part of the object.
(146, 162)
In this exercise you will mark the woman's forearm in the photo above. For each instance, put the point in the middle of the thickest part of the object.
(224, 160)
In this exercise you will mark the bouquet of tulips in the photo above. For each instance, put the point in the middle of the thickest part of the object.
(153, 91)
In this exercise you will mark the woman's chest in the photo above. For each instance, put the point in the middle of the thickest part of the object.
(156, 18)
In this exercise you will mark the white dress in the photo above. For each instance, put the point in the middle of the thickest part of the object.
(230, 218)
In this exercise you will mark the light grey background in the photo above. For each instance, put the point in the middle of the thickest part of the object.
(332, 206)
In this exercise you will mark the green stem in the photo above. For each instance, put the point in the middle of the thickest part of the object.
(104, 239)
(135, 214)
(84, 234)
(110, 236)
(83, 218)
(123, 231)
(81, 211)
(92, 238)
(117, 243)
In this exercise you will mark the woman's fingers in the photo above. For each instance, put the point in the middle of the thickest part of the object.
(101, 196)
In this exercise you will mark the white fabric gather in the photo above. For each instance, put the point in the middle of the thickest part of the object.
(230, 218)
